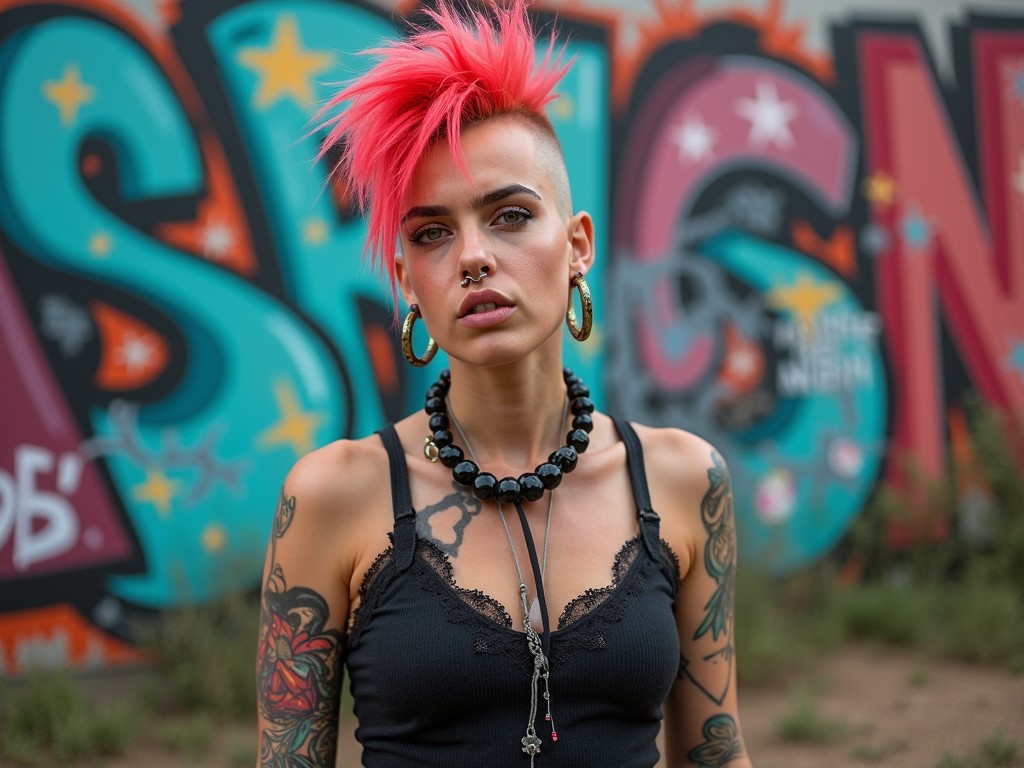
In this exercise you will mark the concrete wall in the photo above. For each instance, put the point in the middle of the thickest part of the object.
(811, 226)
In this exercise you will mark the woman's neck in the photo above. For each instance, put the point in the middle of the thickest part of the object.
(512, 415)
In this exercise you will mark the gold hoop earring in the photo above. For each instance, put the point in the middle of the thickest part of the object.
(587, 305)
(407, 324)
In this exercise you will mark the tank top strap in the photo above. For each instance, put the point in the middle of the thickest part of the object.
(404, 541)
(650, 523)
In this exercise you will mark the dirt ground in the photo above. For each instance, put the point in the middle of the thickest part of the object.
(901, 709)
(898, 709)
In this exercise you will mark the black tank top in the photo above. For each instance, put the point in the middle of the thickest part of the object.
(441, 677)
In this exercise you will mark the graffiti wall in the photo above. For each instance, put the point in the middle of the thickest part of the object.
(808, 258)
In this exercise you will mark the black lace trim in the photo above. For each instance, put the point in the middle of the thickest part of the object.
(588, 602)
(584, 619)
(484, 617)
(479, 601)
(369, 594)
(592, 613)
(673, 564)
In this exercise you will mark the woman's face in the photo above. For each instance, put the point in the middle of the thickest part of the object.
(503, 218)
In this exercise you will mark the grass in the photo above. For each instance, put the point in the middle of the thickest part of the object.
(998, 750)
(994, 752)
(919, 677)
(242, 754)
(867, 753)
(805, 723)
(985, 623)
(204, 661)
(48, 722)
(190, 737)
(205, 658)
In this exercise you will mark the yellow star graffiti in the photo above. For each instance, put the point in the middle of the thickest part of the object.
(296, 427)
(563, 107)
(804, 298)
(157, 489)
(880, 188)
(214, 538)
(68, 94)
(285, 68)
(314, 231)
(100, 244)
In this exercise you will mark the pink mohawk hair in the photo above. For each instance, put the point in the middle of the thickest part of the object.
(426, 87)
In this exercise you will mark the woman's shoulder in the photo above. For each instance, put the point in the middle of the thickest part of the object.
(339, 480)
(678, 450)
(681, 464)
(689, 485)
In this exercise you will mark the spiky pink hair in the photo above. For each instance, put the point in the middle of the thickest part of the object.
(427, 87)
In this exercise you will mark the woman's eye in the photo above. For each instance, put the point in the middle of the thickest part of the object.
(428, 235)
(513, 216)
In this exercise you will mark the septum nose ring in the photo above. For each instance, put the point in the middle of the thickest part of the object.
(468, 278)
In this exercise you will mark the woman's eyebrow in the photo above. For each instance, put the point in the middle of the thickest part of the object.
(500, 194)
(488, 198)
(426, 212)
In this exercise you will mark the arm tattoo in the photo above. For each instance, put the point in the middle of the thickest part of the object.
(298, 668)
(720, 551)
(723, 655)
(721, 743)
(428, 519)
(716, 511)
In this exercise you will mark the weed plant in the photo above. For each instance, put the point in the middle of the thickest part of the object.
(242, 754)
(49, 723)
(806, 724)
(205, 658)
(999, 750)
(994, 752)
(867, 753)
(190, 737)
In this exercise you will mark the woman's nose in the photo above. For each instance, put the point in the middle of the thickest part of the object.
(475, 254)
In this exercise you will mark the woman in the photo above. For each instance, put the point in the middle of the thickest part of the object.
(511, 577)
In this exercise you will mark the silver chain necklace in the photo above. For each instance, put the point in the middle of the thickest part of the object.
(541, 668)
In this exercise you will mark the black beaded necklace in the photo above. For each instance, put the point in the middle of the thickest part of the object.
(529, 486)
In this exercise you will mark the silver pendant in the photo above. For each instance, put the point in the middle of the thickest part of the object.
(531, 744)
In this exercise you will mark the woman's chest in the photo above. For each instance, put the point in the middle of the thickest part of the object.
(614, 644)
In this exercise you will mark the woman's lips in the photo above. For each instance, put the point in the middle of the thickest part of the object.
(485, 307)
(486, 315)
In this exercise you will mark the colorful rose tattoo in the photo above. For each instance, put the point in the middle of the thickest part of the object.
(298, 669)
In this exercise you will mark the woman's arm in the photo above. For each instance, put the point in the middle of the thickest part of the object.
(301, 651)
(702, 723)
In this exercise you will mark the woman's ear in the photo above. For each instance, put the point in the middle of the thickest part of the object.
(402, 274)
(581, 241)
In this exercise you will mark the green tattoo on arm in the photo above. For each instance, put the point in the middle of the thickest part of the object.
(721, 743)
(716, 510)
(720, 552)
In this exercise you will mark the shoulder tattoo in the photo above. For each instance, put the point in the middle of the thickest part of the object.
(444, 523)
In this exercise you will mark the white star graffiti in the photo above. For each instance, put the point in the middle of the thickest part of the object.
(695, 139)
(769, 117)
